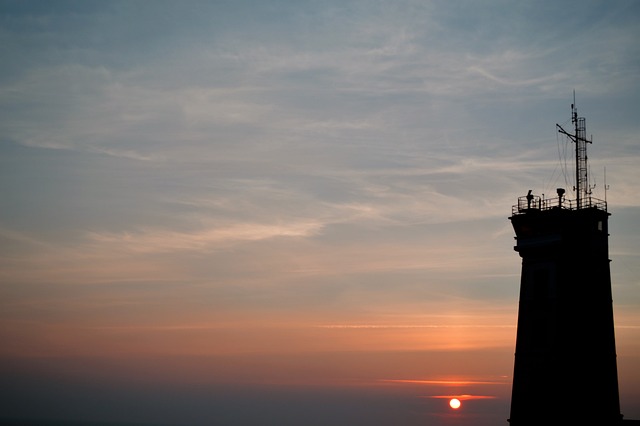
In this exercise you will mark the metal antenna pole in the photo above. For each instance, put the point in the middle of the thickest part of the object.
(579, 138)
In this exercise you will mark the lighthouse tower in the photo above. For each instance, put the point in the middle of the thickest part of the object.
(565, 370)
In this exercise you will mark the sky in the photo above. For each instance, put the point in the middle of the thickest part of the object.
(295, 212)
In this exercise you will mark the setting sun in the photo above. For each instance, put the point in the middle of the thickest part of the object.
(454, 403)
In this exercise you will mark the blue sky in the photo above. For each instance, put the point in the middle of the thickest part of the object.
(292, 180)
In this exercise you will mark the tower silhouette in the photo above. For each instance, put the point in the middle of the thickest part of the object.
(565, 369)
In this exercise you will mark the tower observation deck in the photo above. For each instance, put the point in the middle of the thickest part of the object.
(565, 368)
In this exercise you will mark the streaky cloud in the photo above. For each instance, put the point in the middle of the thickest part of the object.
(154, 240)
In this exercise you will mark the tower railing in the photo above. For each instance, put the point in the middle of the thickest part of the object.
(532, 203)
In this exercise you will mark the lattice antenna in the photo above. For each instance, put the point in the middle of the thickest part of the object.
(582, 189)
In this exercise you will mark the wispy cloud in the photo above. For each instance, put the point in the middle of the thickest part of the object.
(447, 382)
(462, 397)
(163, 241)
(409, 326)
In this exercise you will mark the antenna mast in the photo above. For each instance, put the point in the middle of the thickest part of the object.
(583, 191)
